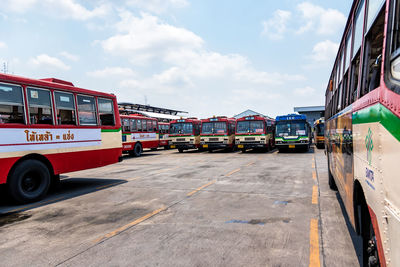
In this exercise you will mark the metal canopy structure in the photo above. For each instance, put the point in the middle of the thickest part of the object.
(162, 114)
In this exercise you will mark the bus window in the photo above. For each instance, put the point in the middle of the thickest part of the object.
(11, 104)
(144, 125)
(133, 125)
(87, 110)
(139, 125)
(373, 52)
(154, 126)
(125, 125)
(106, 111)
(40, 111)
(65, 108)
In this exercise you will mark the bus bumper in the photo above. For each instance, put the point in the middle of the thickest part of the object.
(183, 146)
(292, 145)
(215, 146)
(250, 146)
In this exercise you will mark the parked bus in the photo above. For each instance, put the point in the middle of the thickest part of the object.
(138, 132)
(218, 132)
(292, 132)
(255, 132)
(163, 130)
(49, 127)
(362, 140)
(319, 133)
(185, 134)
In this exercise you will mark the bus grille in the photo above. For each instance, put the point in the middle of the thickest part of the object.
(180, 139)
(213, 139)
(250, 138)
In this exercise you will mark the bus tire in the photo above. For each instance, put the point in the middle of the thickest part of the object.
(153, 149)
(137, 150)
(29, 181)
(180, 150)
(166, 147)
(331, 180)
(370, 250)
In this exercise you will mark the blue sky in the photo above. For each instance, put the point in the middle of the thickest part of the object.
(205, 57)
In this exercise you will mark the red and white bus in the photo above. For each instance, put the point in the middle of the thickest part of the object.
(185, 134)
(362, 127)
(255, 132)
(138, 132)
(163, 130)
(49, 127)
(218, 132)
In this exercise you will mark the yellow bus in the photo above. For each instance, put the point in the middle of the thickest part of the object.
(319, 133)
(362, 135)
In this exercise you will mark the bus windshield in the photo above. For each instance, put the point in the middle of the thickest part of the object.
(213, 128)
(250, 127)
(181, 128)
(320, 128)
(291, 128)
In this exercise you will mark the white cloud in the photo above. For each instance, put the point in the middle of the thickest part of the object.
(145, 38)
(59, 8)
(181, 65)
(325, 52)
(3, 45)
(276, 27)
(306, 91)
(110, 72)
(69, 56)
(47, 61)
(158, 6)
(323, 21)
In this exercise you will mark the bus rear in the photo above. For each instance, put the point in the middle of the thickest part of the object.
(184, 134)
(163, 130)
(292, 132)
(218, 132)
(319, 133)
(254, 132)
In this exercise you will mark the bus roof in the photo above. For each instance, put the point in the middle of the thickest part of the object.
(219, 118)
(50, 83)
(256, 117)
(188, 120)
(137, 116)
(291, 117)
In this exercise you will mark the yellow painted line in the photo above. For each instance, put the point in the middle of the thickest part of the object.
(200, 188)
(232, 172)
(314, 195)
(133, 223)
(313, 164)
(251, 163)
(109, 185)
(314, 175)
(37, 204)
(314, 244)
(133, 179)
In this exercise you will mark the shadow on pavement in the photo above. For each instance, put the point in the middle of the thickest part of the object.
(295, 151)
(68, 188)
(356, 239)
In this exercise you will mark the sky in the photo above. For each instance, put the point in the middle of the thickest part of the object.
(205, 57)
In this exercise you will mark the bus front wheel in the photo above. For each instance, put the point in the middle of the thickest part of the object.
(180, 150)
(29, 181)
(331, 180)
(137, 150)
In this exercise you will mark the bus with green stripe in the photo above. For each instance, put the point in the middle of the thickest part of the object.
(184, 134)
(139, 132)
(255, 132)
(218, 133)
(362, 130)
(293, 132)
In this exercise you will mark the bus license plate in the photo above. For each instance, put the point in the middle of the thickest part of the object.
(205, 146)
(240, 146)
(173, 146)
(292, 146)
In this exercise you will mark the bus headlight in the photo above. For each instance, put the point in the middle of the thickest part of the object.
(395, 68)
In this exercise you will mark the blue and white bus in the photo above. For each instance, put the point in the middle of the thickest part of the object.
(293, 132)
